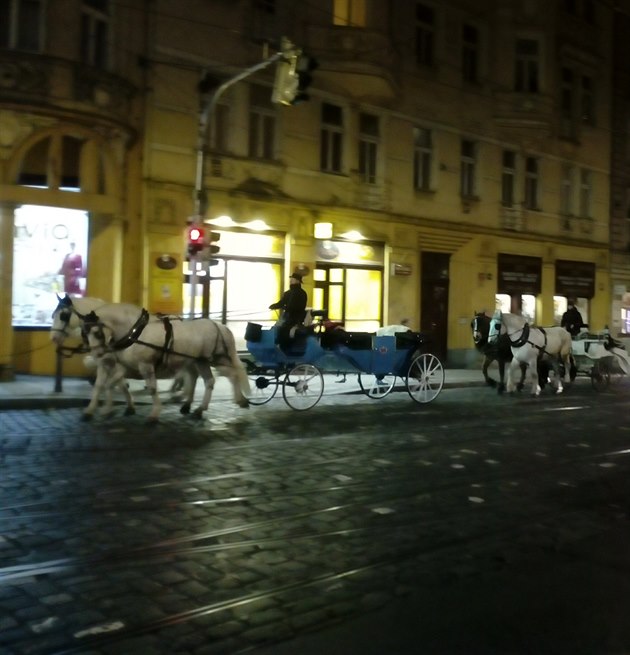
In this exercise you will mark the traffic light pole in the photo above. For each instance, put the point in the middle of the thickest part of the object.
(209, 103)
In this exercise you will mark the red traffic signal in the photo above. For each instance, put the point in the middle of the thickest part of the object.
(195, 239)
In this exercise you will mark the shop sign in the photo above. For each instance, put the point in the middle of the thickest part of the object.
(166, 283)
(403, 270)
(346, 252)
(519, 274)
(575, 279)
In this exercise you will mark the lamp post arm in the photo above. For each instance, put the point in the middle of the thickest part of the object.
(205, 118)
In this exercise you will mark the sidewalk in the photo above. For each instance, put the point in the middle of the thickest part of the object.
(38, 392)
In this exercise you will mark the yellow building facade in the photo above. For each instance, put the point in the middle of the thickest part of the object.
(455, 159)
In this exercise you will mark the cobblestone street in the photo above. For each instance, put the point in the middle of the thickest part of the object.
(256, 526)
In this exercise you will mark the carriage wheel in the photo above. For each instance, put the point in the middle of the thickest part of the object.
(263, 388)
(600, 376)
(376, 386)
(303, 387)
(425, 378)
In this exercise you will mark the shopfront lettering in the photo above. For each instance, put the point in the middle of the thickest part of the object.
(58, 231)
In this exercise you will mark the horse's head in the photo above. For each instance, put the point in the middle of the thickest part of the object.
(480, 326)
(496, 326)
(62, 315)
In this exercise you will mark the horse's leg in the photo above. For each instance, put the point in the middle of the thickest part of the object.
(514, 364)
(148, 373)
(533, 372)
(208, 378)
(235, 375)
(189, 377)
(99, 384)
(501, 385)
(521, 385)
(484, 370)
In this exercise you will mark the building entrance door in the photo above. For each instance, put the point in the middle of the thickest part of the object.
(434, 301)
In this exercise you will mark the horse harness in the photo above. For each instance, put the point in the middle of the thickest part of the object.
(133, 336)
(524, 338)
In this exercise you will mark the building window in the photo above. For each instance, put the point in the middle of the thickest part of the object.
(567, 93)
(422, 158)
(21, 24)
(331, 138)
(350, 13)
(425, 34)
(468, 164)
(95, 33)
(566, 191)
(262, 123)
(368, 147)
(586, 193)
(527, 66)
(470, 54)
(267, 6)
(531, 183)
(588, 108)
(508, 178)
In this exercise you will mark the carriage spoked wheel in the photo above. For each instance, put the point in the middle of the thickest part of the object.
(303, 386)
(600, 376)
(376, 386)
(263, 387)
(425, 378)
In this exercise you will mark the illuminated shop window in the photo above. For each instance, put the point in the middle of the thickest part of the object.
(50, 250)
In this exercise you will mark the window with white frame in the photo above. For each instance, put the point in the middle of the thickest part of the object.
(422, 158)
(470, 53)
(331, 145)
(368, 147)
(350, 13)
(425, 34)
(262, 123)
(468, 164)
(530, 199)
(526, 78)
(508, 178)
(586, 193)
(94, 41)
(566, 190)
(21, 24)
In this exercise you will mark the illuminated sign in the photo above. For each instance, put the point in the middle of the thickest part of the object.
(50, 247)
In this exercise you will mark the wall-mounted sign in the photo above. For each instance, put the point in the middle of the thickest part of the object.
(575, 279)
(166, 283)
(519, 274)
(403, 270)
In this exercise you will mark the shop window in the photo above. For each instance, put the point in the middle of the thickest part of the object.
(49, 257)
(522, 304)
(560, 305)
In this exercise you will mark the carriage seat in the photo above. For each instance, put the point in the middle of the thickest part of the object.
(408, 340)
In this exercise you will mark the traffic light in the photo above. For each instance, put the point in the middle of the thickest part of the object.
(293, 77)
(196, 239)
(213, 249)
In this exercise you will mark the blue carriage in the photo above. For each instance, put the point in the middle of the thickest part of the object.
(298, 365)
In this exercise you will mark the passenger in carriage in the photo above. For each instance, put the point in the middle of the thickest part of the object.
(293, 306)
(572, 319)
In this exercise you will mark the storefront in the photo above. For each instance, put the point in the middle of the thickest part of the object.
(518, 284)
(574, 280)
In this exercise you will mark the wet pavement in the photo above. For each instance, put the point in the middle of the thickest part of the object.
(475, 524)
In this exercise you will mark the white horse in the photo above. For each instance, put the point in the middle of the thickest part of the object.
(528, 344)
(149, 347)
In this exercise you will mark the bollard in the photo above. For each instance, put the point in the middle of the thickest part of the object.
(58, 371)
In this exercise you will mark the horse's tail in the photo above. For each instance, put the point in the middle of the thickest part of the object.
(237, 364)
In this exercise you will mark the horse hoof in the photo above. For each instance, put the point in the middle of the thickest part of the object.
(243, 403)
(197, 414)
(559, 390)
(520, 386)
(130, 411)
(86, 417)
(491, 383)
(185, 409)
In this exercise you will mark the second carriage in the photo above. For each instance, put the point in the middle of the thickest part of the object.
(378, 360)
